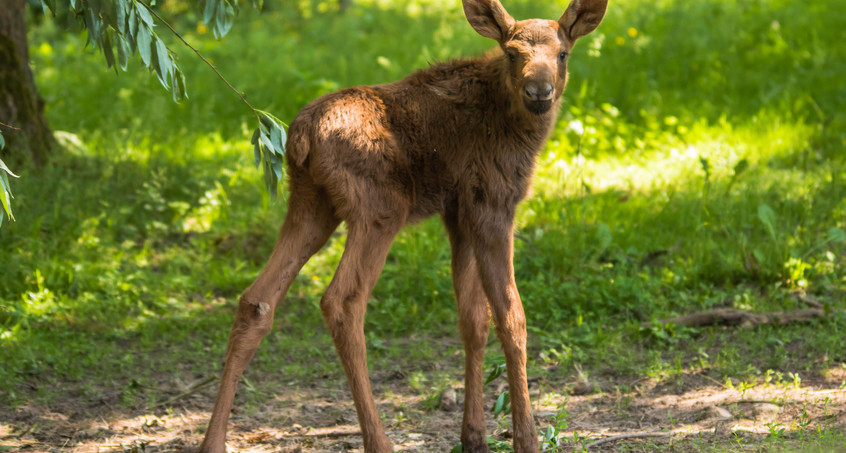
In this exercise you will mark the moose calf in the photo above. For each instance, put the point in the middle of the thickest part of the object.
(458, 139)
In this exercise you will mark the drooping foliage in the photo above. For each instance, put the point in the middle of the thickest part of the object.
(121, 28)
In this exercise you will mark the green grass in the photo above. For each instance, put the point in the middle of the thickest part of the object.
(698, 163)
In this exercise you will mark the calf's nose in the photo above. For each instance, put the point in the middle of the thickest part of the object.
(538, 91)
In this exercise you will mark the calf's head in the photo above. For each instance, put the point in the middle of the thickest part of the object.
(535, 51)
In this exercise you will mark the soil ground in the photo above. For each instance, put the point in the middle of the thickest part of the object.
(693, 414)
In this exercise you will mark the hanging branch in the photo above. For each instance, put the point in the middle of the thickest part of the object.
(207, 62)
(269, 138)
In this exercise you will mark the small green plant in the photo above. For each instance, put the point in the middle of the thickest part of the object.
(502, 406)
(667, 333)
(496, 371)
(671, 419)
(776, 432)
(550, 437)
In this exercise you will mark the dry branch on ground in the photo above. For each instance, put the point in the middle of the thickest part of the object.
(734, 317)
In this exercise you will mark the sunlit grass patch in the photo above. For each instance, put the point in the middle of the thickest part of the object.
(581, 158)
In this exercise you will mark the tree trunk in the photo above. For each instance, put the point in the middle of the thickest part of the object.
(20, 105)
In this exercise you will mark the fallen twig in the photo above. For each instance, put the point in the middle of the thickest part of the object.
(628, 436)
(715, 381)
(191, 390)
(331, 432)
(808, 300)
(734, 317)
(773, 402)
(20, 434)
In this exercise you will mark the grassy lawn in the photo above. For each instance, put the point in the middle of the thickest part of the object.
(699, 163)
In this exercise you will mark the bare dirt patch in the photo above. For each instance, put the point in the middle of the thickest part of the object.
(321, 418)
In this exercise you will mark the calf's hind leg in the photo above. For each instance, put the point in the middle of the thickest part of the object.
(344, 305)
(309, 223)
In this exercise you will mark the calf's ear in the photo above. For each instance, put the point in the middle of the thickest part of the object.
(582, 17)
(489, 18)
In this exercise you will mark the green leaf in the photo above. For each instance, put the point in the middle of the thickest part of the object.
(257, 151)
(163, 65)
(266, 119)
(741, 167)
(836, 235)
(6, 195)
(133, 22)
(500, 401)
(270, 180)
(96, 6)
(266, 140)
(276, 136)
(209, 9)
(144, 14)
(38, 4)
(123, 52)
(496, 371)
(276, 131)
(224, 19)
(178, 84)
(549, 437)
(108, 51)
(502, 404)
(92, 23)
(2, 142)
(273, 188)
(457, 448)
(109, 14)
(120, 15)
(603, 235)
(183, 86)
(269, 147)
(276, 165)
(4, 168)
(768, 218)
(145, 44)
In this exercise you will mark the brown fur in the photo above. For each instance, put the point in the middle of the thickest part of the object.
(457, 139)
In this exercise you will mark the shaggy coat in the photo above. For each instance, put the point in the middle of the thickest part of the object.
(458, 139)
(441, 140)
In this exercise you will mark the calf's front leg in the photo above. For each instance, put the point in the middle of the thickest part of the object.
(494, 255)
(474, 323)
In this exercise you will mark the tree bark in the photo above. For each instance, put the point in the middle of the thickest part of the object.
(20, 105)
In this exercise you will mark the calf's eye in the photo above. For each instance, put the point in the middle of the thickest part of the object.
(562, 56)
